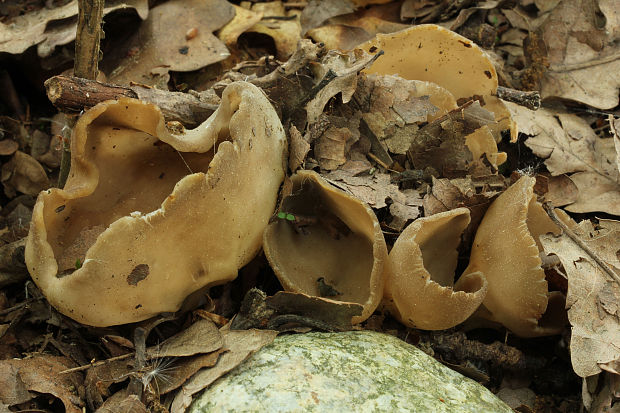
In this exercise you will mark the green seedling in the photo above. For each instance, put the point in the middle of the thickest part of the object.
(286, 216)
(78, 264)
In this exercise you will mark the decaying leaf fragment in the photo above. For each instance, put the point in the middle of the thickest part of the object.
(148, 217)
(420, 289)
(593, 298)
(570, 146)
(327, 236)
(161, 43)
(48, 28)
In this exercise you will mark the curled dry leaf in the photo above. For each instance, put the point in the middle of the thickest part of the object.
(593, 295)
(23, 174)
(570, 146)
(281, 25)
(506, 250)
(134, 191)
(327, 237)
(22, 379)
(583, 57)
(48, 28)
(161, 44)
(239, 345)
(243, 20)
(419, 288)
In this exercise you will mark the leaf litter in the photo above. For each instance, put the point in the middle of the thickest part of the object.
(404, 147)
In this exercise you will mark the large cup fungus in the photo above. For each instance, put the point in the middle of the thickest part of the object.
(506, 249)
(420, 289)
(434, 54)
(148, 217)
(332, 246)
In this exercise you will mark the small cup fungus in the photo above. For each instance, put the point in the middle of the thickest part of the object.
(420, 289)
(327, 243)
(506, 249)
(147, 217)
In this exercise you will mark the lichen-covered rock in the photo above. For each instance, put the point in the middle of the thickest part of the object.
(359, 371)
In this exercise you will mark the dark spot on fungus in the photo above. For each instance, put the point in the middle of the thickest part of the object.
(372, 49)
(161, 175)
(465, 44)
(183, 50)
(486, 72)
(139, 273)
(94, 147)
(60, 209)
(113, 146)
(138, 306)
(117, 128)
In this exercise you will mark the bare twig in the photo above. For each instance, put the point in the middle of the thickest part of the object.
(549, 208)
(90, 15)
(72, 94)
(530, 100)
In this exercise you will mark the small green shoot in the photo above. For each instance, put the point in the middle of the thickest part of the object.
(286, 216)
(78, 264)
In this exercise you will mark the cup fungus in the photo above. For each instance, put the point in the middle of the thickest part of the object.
(328, 244)
(148, 217)
(420, 289)
(506, 249)
(434, 54)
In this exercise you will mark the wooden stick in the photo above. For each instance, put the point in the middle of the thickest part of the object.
(530, 100)
(72, 94)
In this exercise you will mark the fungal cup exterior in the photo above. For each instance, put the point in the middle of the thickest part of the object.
(150, 216)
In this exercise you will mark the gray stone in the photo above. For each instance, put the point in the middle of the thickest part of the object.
(357, 371)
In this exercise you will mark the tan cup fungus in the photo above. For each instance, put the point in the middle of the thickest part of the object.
(148, 217)
(435, 54)
(334, 248)
(420, 290)
(506, 249)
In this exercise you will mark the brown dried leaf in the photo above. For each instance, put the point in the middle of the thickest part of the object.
(8, 147)
(161, 44)
(442, 146)
(317, 11)
(123, 402)
(243, 20)
(375, 189)
(569, 144)
(583, 56)
(22, 379)
(199, 338)
(284, 29)
(297, 150)
(335, 315)
(23, 174)
(240, 344)
(593, 295)
(48, 28)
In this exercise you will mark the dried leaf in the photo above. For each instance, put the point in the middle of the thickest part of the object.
(48, 28)
(23, 174)
(22, 379)
(161, 44)
(298, 149)
(243, 20)
(317, 11)
(240, 344)
(569, 144)
(584, 63)
(375, 189)
(8, 147)
(282, 26)
(199, 338)
(593, 295)
(336, 315)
